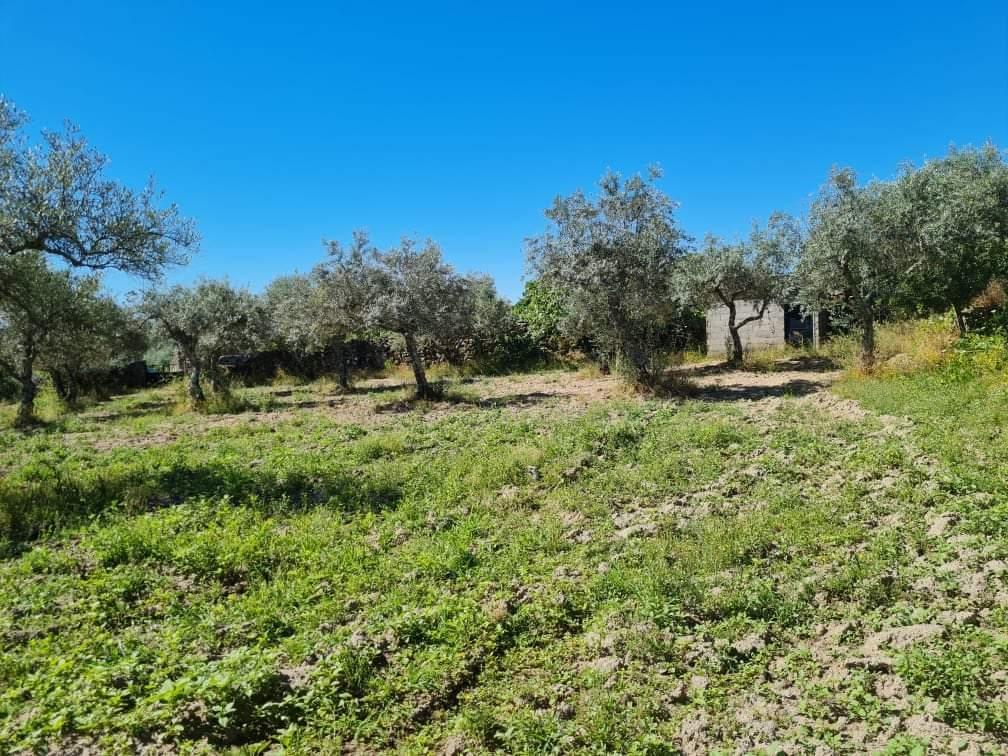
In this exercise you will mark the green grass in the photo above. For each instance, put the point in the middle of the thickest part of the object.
(485, 576)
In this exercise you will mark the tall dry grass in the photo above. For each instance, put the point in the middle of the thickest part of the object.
(900, 347)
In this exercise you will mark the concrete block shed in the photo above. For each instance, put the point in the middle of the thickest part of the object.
(781, 324)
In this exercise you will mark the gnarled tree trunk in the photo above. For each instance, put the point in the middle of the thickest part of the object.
(416, 360)
(59, 384)
(66, 385)
(26, 376)
(735, 358)
(344, 368)
(867, 341)
(735, 329)
(72, 388)
(195, 388)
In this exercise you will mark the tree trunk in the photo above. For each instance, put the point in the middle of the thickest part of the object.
(215, 378)
(636, 357)
(26, 407)
(867, 340)
(195, 389)
(736, 339)
(960, 319)
(344, 368)
(66, 386)
(59, 384)
(416, 360)
(735, 358)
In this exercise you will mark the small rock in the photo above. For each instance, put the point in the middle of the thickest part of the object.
(679, 692)
(941, 523)
(873, 663)
(498, 610)
(453, 745)
(749, 645)
(901, 637)
(564, 710)
(605, 664)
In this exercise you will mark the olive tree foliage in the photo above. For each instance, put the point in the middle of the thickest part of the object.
(614, 257)
(55, 198)
(306, 318)
(497, 339)
(346, 286)
(11, 121)
(38, 305)
(205, 322)
(415, 294)
(959, 209)
(757, 270)
(858, 252)
(100, 335)
(294, 311)
(408, 290)
(542, 310)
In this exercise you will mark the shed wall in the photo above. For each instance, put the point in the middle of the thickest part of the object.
(760, 333)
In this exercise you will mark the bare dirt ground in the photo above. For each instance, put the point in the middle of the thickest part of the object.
(380, 401)
(792, 377)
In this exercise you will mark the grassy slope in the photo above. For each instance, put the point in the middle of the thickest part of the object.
(645, 577)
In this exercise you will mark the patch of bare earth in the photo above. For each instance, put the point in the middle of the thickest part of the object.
(372, 404)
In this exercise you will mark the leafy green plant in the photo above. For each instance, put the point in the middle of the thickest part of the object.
(958, 677)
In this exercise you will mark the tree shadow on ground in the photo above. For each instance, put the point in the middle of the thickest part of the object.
(29, 508)
(734, 392)
(798, 364)
(809, 363)
(517, 400)
(384, 388)
(141, 409)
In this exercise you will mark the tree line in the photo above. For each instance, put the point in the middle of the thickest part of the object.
(614, 275)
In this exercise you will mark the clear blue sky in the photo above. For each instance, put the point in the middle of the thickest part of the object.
(277, 124)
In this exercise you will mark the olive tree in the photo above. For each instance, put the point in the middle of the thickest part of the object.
(205, 322)
(306, 319)
(614, 259)
(293, 308)
(407, 289)
(37, 304)
(858, 252)
(100, 335)
(959, 210)
(346, 287)
(756, 271)
(56, 199)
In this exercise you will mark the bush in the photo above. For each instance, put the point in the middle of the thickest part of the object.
(977, 354)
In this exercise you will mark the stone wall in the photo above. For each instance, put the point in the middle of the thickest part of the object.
(760, 333)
